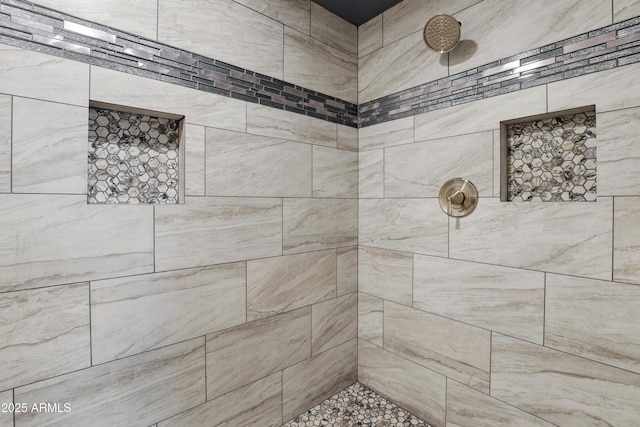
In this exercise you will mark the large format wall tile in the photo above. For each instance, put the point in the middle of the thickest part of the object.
(625, 9)
(45, 332)
(198, 107)
(370, 318)
(395, 132)
(312, 64)
(334, 322)
(415, 388)
(194, 152)
(241, 355)
(5, 143)
(318, 378)
(370, 36)
(276, 285)
(459, 351)
(135, 314)
(293, 13)
(347, 138)
(242, 36)
(410, 225)
(6, 418)
(240, 164)
(626, 234)
(335, 173)
(401, 65)
(333, 30)
(50, 240)
(419, 170)
(501, 299)
(138, 390)
(347, 270)
(49, 147)
(281, 124)
(571, 238)
(481, 115)
(371, 174)
(37, 75)
(256, 404)
(618, 153)
(468, 407)
(500, 28)
(315, 224)
(594, 319)
(209, 230)
(386, 274)
(561, 388)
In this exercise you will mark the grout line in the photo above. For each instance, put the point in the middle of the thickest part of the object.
(544, 310)
(90, 329)
(158, 20)
(206, 381)
(613, 237)
(11, 138)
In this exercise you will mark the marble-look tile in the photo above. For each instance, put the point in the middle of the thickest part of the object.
(135, 314)
(51, 240)
(626, 234)
(370, 36)
(619, 153)
(347, 138)
(37, 75)
(316, 224)
(496, 28)
(625, 9)
(5, 143)
(333, 30)
(481, 115)
(461, 352)
(135, 16)
(241, 355)
(312, 64)
(347, 270)
(198, 107)
(498, 163)
(608, 90)
(241, 164)
(209, 230)
(501, 299)
(6, 418)
(371, 174)
(401, 65)
(282, 124)
(194, 152)
(570, 238)
(410, 16)
(292, 13)
(49, 147)
(561, 388)
(334, 322)
(419, 170)
(276, 285)
(45, 333)
(370, 318)
(138, 390)
(410, 225)
(395, 132)
(313, 380)
(468, 407)
(595, 319)
(335, 173)
(259, 403)
(416, 388)
(386, 274)
(243, 37)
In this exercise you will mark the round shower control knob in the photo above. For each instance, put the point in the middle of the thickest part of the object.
(458, 197)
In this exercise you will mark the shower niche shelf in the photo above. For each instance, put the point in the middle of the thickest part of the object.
(135, 156)
(549, 157)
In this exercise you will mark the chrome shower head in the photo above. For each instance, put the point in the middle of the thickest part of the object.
(442, 33)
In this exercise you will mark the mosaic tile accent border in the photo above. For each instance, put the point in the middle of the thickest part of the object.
(356, 406)
(552, 159)
(29, 26)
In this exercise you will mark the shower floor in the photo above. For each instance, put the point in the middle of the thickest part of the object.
(356, 406)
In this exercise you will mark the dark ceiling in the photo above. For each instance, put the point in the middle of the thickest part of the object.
(357, 11)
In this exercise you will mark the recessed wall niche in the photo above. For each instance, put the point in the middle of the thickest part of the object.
(550, 157)
(135, 156)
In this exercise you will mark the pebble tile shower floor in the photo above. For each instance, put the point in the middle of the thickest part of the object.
(356, 406)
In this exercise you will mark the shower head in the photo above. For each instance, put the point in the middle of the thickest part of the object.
(442, 33)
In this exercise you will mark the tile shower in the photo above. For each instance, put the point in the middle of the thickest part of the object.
(304, 282)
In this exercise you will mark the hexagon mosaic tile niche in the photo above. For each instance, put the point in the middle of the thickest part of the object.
(133, 157)
(552, 158)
